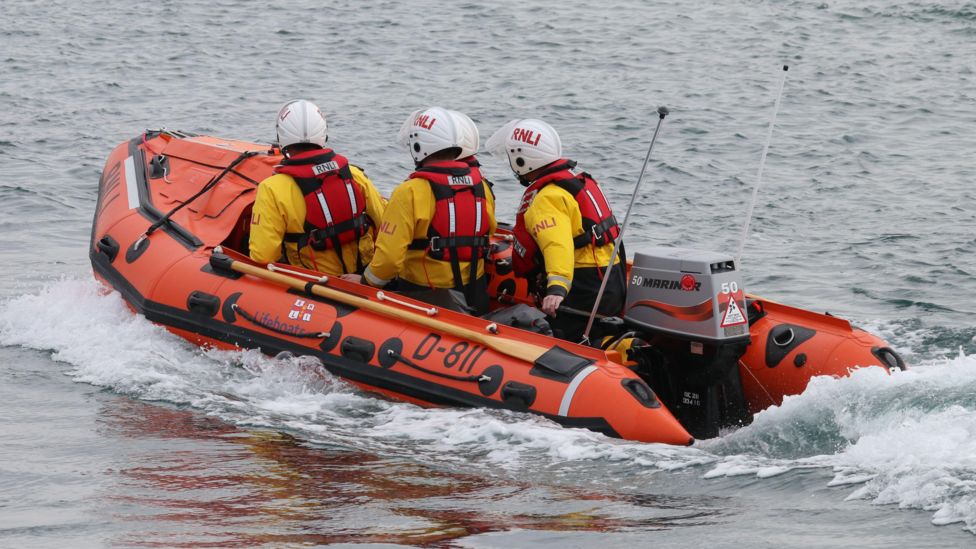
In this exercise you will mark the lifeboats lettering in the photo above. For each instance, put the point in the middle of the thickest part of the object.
(276, 323)
(665, 284)
(462, 356)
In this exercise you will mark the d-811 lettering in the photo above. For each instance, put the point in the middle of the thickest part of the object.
(461, 356)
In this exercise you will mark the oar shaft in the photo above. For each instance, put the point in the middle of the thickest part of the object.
(518, 349)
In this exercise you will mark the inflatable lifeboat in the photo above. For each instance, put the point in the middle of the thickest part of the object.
(170, 235)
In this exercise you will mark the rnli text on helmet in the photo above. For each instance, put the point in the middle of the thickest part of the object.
(526, 136)
(425, 121)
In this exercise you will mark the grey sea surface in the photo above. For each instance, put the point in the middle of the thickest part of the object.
(117, 433)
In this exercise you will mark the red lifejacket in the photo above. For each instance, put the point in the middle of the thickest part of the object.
(459, 230)
(599, 225)
(335, 206)
(474, 166)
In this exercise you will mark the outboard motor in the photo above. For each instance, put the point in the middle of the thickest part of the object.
(691, 307)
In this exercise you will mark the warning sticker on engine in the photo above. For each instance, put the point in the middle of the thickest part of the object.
(733, 314)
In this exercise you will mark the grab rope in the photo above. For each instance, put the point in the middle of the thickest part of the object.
(252, 319)
(429, 311)
(210, 184)
(475, 378)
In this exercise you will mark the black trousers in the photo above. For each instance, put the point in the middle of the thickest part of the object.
(582, 296)
(475, 294)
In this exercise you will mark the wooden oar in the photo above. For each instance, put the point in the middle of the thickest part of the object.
(521, 350)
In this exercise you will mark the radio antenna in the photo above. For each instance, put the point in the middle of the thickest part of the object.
(661, 112)
(762, 164)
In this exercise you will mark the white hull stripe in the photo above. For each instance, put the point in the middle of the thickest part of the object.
(571, 390)
(325, 207)
(130, 183)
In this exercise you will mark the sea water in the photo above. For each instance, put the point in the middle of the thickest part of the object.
(117, 433)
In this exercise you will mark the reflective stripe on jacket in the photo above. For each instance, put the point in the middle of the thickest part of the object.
(407, 218)
(279, 208)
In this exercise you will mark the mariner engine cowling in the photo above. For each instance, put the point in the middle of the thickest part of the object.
(690, 305)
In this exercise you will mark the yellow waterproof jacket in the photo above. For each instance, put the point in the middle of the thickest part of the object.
(408, 216)
(553, 218)
(280, 208)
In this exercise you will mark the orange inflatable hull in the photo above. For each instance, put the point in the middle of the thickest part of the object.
(173, 278)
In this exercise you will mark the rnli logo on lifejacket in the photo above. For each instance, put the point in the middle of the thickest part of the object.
(425, 121)
(526, 136)
(461, 180)
(325, 167)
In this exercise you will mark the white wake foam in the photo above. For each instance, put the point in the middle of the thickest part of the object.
(105, 344)
(907, 439)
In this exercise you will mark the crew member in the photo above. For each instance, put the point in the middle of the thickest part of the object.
(436, 229)
(564, 229)
(317, 206)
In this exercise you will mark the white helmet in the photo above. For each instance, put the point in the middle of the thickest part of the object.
(469, 134)
(529, 143)
(429, 131)
(300, 121)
